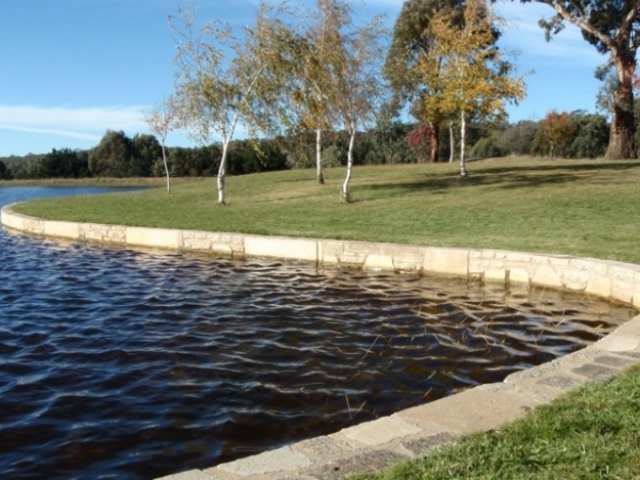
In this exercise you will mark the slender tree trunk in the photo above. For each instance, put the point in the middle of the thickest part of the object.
(463, 128)
(222, 171)
(345, 185)
(451, 142)
(319, 175)
(434, 142)
(622, 137)
(166, 168)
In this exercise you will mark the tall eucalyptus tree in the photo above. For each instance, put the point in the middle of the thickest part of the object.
(613, 27)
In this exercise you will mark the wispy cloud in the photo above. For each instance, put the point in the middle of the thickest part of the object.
(79, 123)
(524, 35)
(49, 131)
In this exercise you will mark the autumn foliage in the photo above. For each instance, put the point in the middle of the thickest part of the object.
(558, 129)
(420, 137)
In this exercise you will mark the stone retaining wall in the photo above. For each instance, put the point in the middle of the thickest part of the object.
(614, 281)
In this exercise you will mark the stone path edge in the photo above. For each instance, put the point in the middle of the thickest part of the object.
(413, 432)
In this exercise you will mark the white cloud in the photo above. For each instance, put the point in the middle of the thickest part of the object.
(49, 131)
(80, 123)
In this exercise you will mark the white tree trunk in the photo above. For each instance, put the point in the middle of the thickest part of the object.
(166, 167)
(345, 185)
(463, 128)
(227, 136)
(451, 142)
(222, 170)
(319, 175)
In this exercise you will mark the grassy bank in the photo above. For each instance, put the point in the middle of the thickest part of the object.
(586, 208)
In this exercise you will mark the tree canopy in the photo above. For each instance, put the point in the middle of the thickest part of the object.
(411, 47)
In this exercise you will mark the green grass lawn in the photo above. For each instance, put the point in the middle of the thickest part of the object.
(585, 208)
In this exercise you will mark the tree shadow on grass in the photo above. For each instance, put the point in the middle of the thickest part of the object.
(509, 177)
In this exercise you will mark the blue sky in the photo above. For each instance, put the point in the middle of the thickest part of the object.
(71, 69)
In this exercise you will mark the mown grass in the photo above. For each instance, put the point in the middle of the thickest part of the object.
(586, 208)
(590, 433)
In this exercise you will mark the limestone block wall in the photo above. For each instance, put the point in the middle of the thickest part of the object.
(614, 281)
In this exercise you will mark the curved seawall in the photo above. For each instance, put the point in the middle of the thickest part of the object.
(615, 281)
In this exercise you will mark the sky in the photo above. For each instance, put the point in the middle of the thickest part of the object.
(73, 69)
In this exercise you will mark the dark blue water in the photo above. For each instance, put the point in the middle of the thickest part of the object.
(121, 364)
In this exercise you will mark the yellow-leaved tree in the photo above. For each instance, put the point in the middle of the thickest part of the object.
(472, 78)
(305, 67)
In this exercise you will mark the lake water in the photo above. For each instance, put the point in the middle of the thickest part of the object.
(121, 364)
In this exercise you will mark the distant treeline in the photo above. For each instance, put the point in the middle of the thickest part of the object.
(577, 134)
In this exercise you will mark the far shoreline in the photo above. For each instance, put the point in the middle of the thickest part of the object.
(100, 182)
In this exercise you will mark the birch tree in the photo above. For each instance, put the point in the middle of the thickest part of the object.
(358, 90)
(304, 68)
(320, 71)
(332, 79)
(613, 27)
(216, 79)
(473, 77)
(162, 120)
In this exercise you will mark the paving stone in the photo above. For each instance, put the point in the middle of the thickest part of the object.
(294, 477)
(470, 411)
(557, 366)
(561, 382)
(380, 431)
(596, 372)
(190, 475)
(536, 392)
(617, 362)
(420, 446)
(635, 355)
(531, 393)
(282, 459)
(618, 343)
(367, 462)
(278, 476)
(323, 448)
(630, 328)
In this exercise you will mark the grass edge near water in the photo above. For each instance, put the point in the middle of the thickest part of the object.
(582, 208)
(592, 432)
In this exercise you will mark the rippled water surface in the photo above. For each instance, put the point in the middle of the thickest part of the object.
(121, 364)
